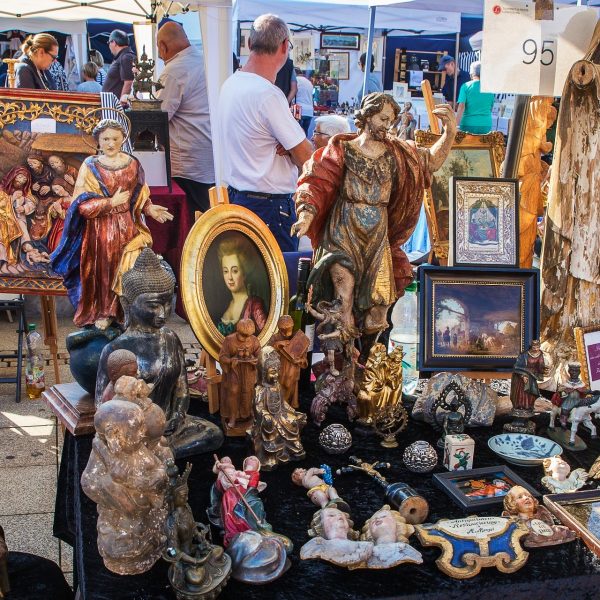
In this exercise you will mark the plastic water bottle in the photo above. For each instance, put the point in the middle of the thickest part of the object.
(405, 333)
(35, 380)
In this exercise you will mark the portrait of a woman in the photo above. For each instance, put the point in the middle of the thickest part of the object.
(245, 281)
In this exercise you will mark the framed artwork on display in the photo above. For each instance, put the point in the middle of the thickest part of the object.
(587, 340)
(400, 91)
(44, 138)
(377, 49)
(579, 511)
(470, 156)
(244, 49)
(303, 53)
(476, 319)
(479, 489)
(339, 65)
(484, 222)
(229, 249)
(340, 41)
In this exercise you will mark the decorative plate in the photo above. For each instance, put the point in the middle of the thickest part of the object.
(523, 449)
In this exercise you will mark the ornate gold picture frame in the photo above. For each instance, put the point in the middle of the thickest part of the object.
(587, 340)
(44, 138)
(470, 156)
(232, 268)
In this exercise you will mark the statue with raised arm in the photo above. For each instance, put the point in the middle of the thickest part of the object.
(359, 200)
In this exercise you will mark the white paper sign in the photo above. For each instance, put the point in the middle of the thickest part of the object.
(43, 125)
(473, 527)
(520, 55)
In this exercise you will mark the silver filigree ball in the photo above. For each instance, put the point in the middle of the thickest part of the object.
(335, 439)
(420, 457)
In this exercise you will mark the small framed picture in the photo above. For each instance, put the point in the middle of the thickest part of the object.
(340, 41)
(400, 91)
(587, 340)
(579, 511)
(476, 318)
(484, 222)
(339, 65)
(244, 48)
(479, 489)
(303, 52)
(377, 52)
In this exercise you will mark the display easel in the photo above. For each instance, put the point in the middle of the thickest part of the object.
(217, 195)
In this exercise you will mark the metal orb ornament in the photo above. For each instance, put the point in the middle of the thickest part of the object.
(335, 439)
(420, 457)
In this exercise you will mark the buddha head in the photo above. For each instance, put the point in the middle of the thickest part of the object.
(147, 296)
(270, 364)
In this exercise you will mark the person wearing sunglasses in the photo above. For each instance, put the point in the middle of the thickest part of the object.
(326, 127)
(32, 70)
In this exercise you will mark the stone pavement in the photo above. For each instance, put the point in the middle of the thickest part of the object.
(30, 451)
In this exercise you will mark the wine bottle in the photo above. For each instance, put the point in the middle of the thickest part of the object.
(303, 320)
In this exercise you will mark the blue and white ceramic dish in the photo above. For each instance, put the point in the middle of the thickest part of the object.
(523, 449)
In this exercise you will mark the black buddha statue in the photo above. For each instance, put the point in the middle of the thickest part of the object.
(147, 299)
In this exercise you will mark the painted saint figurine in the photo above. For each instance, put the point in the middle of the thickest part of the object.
(277, 426)
(569, 395)
(258, 554)
(128, 482)
(147, 297)
(359, 200)
(292, 349)
(104, 231)
(238, 359)
(522, 506)
(559, 478)
(320, 489)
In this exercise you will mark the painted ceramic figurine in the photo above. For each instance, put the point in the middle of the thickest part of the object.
(559, 478)
(199, 569)
(277, 426)
(258, 554)
(359, 200)
(128, 482)
(104, 230)
(320, 489)
(292, 349)
(147, 296)
(238, 359)
(530, 373)
(120, 363)
(521, 505)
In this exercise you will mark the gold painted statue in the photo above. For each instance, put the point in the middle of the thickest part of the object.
(277, 426)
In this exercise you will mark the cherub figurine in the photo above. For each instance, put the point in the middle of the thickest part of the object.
(119, 363)
(198, 567)
(277, 426)
(128, 483)
(522, 506)
(320, 490)
(557, 478)
(238, 359)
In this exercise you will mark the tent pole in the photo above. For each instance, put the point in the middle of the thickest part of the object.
(456, 50)
(369, 48)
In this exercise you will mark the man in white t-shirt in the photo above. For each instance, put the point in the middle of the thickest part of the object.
(304, 97)
(264, 146)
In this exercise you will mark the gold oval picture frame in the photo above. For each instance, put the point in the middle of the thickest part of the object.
(203, 289)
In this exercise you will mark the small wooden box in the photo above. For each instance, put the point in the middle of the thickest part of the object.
(458, 452)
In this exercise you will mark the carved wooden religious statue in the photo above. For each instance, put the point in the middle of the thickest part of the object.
(532, 173)
(570, 266)
(358, 200)
(104, 230)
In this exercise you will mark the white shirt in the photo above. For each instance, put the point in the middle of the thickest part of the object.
(304, 96)
(185, 98)
(254, 116)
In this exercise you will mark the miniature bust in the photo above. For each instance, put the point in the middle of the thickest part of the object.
(319, 492)
(120, 363)
(128, 482)
(277, 426)
(557, 478)
(521, 505)
(147, 296)
(238, 359)
(285, 341)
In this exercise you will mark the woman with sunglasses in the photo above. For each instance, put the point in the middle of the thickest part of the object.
(39, 52)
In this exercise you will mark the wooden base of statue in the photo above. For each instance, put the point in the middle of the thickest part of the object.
(213, 379)
(241, 428)
(73, 407)
(562, 436)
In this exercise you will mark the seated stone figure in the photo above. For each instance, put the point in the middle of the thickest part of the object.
(147, 297)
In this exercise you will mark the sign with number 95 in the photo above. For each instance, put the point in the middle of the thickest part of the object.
(533, 52)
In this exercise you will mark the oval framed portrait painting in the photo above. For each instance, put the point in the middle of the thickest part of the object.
(232, 268)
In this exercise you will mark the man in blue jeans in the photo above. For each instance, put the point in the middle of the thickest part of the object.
(264, 145)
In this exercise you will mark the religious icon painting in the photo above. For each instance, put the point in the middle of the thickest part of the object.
(484, 222)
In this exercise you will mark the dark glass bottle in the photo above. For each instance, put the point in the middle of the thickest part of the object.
(303, 320)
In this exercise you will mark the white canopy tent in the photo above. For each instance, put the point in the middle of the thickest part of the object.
(215, 24)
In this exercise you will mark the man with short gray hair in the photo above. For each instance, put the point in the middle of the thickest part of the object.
(264, 145)
(326, 127)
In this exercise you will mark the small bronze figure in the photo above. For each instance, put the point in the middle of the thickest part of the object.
(142, 80)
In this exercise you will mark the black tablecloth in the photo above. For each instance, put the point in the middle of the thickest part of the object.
(567, 571)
